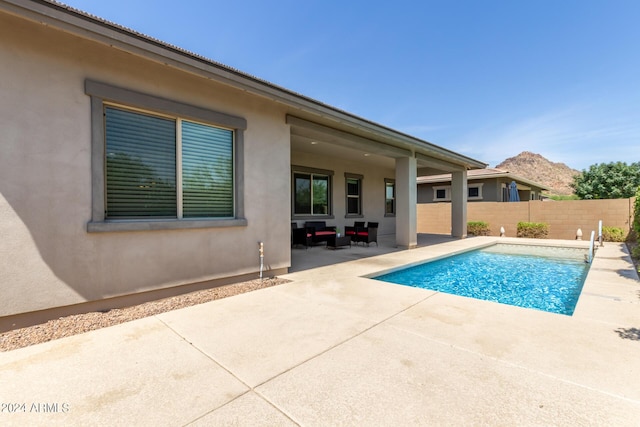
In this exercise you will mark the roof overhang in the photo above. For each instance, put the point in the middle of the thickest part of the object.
(480, 174)
(359, 133)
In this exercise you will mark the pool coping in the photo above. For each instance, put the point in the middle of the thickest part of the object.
(485, 244)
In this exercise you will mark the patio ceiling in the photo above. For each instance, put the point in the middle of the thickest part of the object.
(319, 147)
(321, 140)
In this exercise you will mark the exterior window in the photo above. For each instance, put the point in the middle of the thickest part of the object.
(389, 197)
(354, 194)
(140, 165)
(474, 192)
(144, 153)
(311, 194)
(442, 193)
(207, 171)
(161, 164)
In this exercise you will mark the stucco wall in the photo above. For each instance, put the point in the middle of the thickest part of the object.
(425, 193)
(491, 190)
(48, 258)
(564, 217)
(373, 188)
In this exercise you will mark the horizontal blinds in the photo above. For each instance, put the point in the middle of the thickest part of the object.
(207, 171)
(140, 165)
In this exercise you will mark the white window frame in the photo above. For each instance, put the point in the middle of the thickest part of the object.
(479, 187)
(447, 194)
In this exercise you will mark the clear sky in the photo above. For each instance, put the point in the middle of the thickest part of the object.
(488, 79)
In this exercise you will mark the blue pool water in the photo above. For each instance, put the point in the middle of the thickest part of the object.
(538, 277)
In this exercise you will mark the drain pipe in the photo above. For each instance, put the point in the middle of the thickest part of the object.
(261, 252)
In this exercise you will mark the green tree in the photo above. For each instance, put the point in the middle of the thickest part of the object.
(615, 180)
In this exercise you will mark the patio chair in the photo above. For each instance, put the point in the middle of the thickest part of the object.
(319, 231)
(300, 236)
(352, 231)
(369, 234)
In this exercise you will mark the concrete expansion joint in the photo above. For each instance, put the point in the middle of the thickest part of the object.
(328, 349)
(503, 362)
(205, 354)
(274, 406)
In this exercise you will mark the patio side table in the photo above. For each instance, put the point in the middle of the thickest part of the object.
(335, 242)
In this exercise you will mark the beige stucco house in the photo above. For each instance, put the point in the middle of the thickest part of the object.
(483, 185)
(131, 169)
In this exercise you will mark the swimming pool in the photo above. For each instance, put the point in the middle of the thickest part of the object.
(538, 277)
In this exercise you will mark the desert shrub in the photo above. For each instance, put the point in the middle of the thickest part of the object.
(613, 234)
(632, 238)
(533, 230)
(559, 197)
(478, 228)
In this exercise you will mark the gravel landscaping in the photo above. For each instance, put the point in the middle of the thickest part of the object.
(79, 323)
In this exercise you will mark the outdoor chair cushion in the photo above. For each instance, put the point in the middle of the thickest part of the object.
(319, 231)
(369, 234)
(353, 230)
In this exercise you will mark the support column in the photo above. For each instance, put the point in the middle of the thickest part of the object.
(459, 204)
(406, 199)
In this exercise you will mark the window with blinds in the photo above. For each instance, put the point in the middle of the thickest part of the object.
(159, 167)
(207, 171)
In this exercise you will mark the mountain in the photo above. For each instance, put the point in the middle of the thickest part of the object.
(532, 166)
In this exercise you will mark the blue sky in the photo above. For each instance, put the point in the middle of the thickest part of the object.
(488, 79)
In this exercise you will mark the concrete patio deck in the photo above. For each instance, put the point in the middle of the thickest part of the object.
(334, 348)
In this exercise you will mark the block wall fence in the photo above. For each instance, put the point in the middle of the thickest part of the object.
(564, 217)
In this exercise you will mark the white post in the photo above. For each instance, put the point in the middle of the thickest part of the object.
(600, 238)
(459, 204)
(406, 203)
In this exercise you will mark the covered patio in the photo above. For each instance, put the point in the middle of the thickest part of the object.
(350, 170)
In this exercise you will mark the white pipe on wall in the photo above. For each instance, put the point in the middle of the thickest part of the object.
(261, 252)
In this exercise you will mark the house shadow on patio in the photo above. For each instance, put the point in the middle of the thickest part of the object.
(319, 256)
